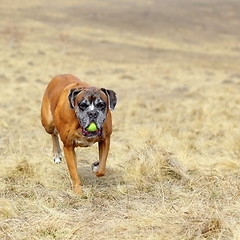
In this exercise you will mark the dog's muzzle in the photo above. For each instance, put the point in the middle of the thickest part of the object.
(91, 116)
(87, 133)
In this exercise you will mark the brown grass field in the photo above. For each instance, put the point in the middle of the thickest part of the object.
(173, 170)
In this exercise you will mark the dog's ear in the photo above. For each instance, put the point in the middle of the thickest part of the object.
(112, 98)
(72, 95)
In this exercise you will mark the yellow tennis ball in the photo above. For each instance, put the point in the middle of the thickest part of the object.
(92, 127)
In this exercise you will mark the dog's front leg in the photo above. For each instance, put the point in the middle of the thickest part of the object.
(72, 167)
(100, 167)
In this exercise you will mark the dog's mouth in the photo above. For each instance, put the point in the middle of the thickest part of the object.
(87, 133)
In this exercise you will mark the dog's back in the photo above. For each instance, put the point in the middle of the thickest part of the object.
(51, 98)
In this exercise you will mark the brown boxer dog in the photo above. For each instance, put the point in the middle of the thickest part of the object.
(69, 106)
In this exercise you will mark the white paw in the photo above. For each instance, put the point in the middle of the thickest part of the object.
(57, 160)
(95, 166)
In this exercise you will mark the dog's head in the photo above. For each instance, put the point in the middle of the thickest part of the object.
(92, 105)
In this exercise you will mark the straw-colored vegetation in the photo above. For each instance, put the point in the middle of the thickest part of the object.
(173, 168)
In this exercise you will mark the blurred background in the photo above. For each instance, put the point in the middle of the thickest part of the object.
(173, 167)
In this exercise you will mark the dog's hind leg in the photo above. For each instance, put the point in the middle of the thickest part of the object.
(57, 153)
(48, 124)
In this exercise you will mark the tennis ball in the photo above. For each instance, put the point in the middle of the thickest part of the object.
(92, 127)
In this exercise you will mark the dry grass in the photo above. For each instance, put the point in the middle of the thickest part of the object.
(173, 169)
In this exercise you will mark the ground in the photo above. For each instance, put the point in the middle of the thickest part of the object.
(173, 168)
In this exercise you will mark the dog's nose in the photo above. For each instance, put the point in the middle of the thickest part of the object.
(93, 114)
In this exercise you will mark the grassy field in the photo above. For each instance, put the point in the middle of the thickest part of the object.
(173, 170)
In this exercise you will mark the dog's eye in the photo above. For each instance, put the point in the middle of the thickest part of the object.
(83, 106)
(100, 105)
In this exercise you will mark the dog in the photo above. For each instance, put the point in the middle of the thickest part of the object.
(69, 106)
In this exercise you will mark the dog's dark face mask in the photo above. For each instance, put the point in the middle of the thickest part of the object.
(91, 106)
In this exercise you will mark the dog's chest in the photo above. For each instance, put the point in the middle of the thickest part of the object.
(81, 142)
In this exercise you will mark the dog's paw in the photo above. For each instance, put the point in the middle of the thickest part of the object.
(78, 190)
(95, 167)
(57, 160)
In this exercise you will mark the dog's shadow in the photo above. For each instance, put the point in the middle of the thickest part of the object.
(112, 178)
